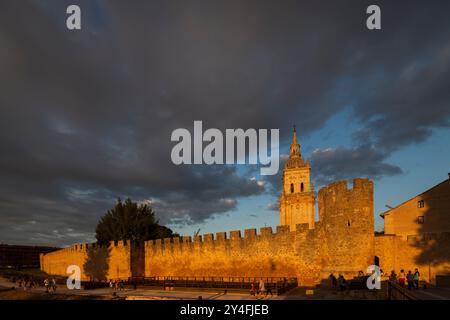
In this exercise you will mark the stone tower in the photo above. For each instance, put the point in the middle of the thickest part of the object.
(297, 200)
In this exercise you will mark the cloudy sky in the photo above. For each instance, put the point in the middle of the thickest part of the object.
(86, 116)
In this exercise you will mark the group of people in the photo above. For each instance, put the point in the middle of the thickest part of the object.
(30, 283)
(410, 280)
(117, 285)
(338, 282)
(50, 285)
(261, 291)
(25, 283)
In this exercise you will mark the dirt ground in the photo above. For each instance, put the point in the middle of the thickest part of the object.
(19, 294)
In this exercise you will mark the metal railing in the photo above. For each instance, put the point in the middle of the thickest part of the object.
(277, 285)
(397, 292)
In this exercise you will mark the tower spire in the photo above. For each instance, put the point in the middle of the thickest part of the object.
(295, 147)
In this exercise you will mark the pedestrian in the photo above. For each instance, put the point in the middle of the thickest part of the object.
(342, 283)
(122, 285)
(402, 278)
(416, 278)
(253, 290)
(53, 284)
(410, 279)
(262, 288)
(269, 290)
(393, 276)
(111, 284)
(46, 284)
(333, 281)
(31, 283)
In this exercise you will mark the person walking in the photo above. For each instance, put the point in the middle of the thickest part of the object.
(262, 289)
(416, 278)
(269, 290)
(46, 284)
(53, 285)
(31, 284)
(253, 290)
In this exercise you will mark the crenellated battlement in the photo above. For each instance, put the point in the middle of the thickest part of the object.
(301, 250)
(347, 214)
(339, 187)
(113, 244)
(84, 247)
(337, 200)
(342, 241)
(223, 239)
(121, 259)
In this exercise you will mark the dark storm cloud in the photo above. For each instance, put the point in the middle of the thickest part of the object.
(341, 163)
(86, 116)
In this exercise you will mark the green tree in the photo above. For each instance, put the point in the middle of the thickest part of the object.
(130, 221)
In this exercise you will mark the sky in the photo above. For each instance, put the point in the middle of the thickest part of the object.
(86, 116)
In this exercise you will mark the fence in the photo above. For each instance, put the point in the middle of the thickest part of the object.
(397, 292)
(277, 285)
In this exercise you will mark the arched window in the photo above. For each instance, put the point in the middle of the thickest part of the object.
(301, 187)
(292, 188)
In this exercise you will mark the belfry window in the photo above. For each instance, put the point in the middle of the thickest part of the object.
(301, 187)
(292, 188)
(420, 204)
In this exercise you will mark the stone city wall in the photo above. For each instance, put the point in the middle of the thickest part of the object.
(430, 253)
(118, 261)
(342, 241)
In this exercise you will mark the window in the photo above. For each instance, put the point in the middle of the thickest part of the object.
(420, 219)
(292, 188)
(420, 204)
(301, 187)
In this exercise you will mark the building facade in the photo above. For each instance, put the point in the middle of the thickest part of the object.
(428, 212)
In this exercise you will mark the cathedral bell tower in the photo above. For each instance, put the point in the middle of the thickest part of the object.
(297, 200)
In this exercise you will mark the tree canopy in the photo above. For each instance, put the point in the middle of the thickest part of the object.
(130, 221)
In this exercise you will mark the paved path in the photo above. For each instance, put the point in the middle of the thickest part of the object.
(150, 294)
(432, 294)
(295, 294)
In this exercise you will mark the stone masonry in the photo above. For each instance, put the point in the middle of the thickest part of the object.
(341, 241)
